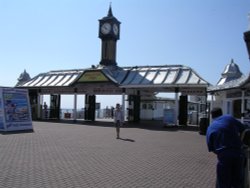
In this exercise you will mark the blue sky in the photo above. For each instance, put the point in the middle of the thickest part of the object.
(45, 35)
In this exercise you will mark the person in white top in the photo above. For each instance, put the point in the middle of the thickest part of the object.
(118, 119)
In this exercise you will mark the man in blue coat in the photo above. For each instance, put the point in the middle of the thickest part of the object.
(223, 138)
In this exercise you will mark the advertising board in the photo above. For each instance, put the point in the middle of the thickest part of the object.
(15, 111)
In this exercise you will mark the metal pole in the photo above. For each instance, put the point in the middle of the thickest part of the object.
(242, 105)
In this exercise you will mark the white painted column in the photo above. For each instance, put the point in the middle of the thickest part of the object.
(123, 104)
(211, 107)
(75, 107)
(242, 105)
(42, 107)
(212, 102)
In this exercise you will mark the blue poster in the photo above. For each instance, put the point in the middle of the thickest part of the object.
(16, 109)
(169, 116)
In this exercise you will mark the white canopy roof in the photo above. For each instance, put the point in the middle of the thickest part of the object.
(164, 76)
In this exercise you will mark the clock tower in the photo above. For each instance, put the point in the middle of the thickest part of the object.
(109, 33)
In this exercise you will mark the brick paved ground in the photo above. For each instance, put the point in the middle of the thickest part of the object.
(61, 155)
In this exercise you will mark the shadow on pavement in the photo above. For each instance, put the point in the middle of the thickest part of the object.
(17, 132)
(126, 139)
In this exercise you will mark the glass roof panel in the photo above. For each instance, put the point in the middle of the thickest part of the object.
(36, 81)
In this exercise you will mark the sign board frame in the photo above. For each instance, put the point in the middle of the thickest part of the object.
(169, 117)
(15, 111)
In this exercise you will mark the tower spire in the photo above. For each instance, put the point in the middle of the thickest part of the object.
(110, 14)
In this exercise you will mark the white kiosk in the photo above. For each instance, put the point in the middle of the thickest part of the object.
(15, 111)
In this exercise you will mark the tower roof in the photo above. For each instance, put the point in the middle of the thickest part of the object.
(110, 16)
(231, 72)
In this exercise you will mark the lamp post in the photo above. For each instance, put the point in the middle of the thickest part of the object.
(247, 40)
(247, 37)
(246, 149)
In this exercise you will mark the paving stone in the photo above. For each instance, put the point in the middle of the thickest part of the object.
(60, 155)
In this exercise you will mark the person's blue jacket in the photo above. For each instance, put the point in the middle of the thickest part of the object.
(223, 135)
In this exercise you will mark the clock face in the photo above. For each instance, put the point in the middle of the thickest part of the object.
(105, 28)
(115, 29)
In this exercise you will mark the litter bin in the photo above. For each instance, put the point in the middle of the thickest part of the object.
(203, 125)
(67, 115)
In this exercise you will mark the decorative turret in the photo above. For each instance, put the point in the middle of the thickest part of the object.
(24, 77)
(231, 72)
